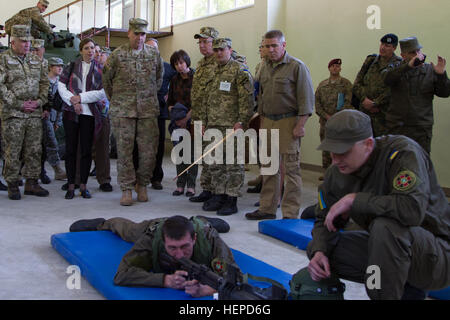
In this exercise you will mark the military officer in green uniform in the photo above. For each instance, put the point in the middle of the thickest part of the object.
(389, 188)
(332, 95)
(203, 75)
(413, 89)
(23, 92)
(132, 76)
(369, 86)
(229, 105)
(177, 236)
(31, 17)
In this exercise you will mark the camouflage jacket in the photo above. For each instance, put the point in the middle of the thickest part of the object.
(20, 81)
(327, 97)
(369, 82)
(31, 17)
(203, 75)
(131, 82)
(230, 96)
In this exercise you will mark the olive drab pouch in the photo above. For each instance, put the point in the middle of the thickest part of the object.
(305, 288)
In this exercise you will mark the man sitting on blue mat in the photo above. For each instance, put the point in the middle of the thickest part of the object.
(388, 186)
(195, 239)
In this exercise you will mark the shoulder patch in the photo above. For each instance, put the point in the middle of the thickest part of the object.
(405, 181)
(218, 266)
(322, 204)
(393, 155)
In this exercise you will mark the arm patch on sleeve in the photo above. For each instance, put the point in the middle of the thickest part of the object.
(405, 181)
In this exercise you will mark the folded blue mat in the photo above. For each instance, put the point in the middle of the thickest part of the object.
(298, 233)
(98, 255)
(295, 232)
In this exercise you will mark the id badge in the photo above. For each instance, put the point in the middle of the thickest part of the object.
(225, 86)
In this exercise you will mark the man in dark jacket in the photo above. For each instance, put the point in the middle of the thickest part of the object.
(389, 188)
(414, 84)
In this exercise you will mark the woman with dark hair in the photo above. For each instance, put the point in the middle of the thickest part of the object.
(80, 87)
(179, 102)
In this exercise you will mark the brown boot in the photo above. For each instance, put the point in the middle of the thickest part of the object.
(142, 193)
(127, 199)
(59, 173)
(255, 182)
(32, 188)
(13, 191)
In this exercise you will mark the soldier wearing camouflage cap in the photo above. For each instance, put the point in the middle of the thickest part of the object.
(410, 111)
(132, 91)
(23, 93)
(203, 75)
(388, 187)
(31, 17)
(332, 95)
(229, 105)
(37, 48)
(369, 88)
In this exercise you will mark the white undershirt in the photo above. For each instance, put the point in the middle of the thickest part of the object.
(86, 97)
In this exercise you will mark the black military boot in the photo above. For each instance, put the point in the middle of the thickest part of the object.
(86, 225)
(32, 188)
(229, 207)
(220, 225)
(202, 197)
(309, 213)
(215, 203)
(44, 177)
(13, 191)
(3, 187)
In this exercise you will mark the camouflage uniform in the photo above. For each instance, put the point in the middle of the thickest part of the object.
(21, 80)
(31, 17)
(369, 83)
(203, 75)
(131, 81)
(326, 104)
(223, 110)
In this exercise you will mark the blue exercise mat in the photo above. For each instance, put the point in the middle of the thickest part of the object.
(292, 231)
(98, 255)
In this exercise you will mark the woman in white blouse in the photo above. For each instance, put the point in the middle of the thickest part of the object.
(81, 89)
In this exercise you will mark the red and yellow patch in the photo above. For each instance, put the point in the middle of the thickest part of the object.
(405, 181)
(218, 266)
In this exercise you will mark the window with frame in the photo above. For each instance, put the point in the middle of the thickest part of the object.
(186, 10)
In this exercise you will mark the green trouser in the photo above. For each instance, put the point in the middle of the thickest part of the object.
(126, 229)
(403, 254)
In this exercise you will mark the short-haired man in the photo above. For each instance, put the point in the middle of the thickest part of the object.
(203, 75)
(132, 91)
(285, 102)
(332, 95)
(369, 87)
(414, 84)
(196, 239)
(388, 187)
(23, 92)
(31, 17)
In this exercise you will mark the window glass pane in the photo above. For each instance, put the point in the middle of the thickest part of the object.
(241, 3)
(179, 11)
(222, 5)
(197, 8)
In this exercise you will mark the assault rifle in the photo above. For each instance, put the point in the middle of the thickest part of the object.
(229, 287)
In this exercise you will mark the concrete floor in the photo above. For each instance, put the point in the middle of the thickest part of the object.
(31, 269)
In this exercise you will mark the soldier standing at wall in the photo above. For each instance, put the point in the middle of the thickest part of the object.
(23, 92)
(369, 87)
(131, 78)
(332, 95)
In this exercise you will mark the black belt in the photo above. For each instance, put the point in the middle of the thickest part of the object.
(276, 117)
